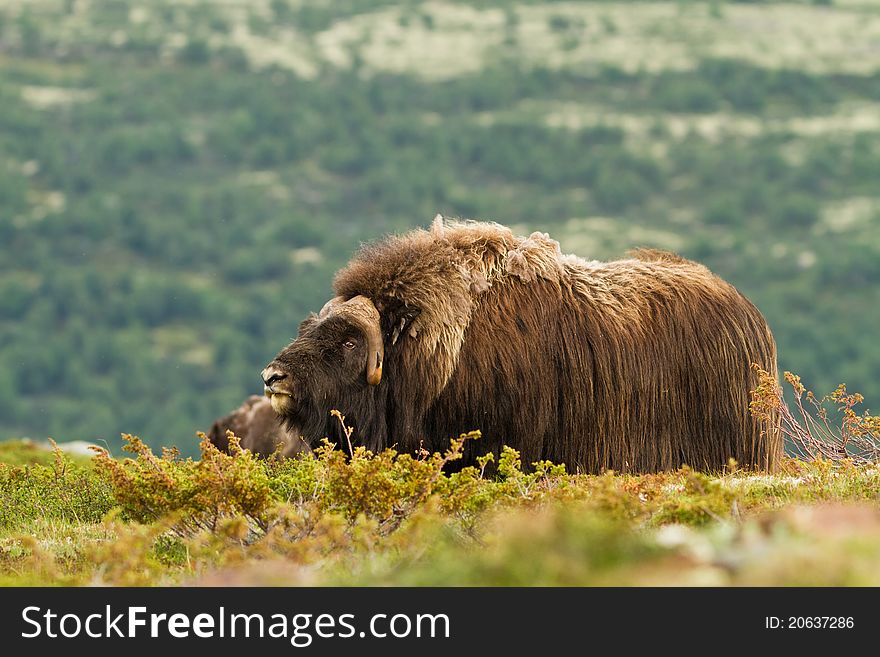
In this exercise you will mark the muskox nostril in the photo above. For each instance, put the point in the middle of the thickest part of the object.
(271, 375)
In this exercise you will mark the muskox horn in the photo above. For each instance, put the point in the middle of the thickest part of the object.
(362, 312)
(330, 305)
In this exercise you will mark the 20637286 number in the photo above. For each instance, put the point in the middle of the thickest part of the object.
(809, 622)
(820, 622)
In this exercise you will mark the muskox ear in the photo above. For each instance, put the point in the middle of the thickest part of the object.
(397, 320)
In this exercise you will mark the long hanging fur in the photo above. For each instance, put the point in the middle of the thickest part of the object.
(638, 365)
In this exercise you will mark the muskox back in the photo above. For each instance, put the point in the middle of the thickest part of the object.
(258, 429)
(639, 365)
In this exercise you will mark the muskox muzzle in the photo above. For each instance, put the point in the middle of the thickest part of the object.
(270, 376)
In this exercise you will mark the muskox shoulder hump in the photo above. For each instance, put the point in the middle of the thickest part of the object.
(646, 254)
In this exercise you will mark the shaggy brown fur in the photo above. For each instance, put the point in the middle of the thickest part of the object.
(637, 365)
(259, 429)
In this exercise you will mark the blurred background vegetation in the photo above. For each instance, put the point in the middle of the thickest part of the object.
(180, 179)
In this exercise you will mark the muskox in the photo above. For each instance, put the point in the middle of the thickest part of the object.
(637, 365)
(259, 430)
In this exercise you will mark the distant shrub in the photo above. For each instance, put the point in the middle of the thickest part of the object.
(196, 51)
(281, 9)
(675, 93)
(744, 87)
(559, 22)
(617, 190)
(245, 268)
(724, 211)
(15, 299)
(795, 211)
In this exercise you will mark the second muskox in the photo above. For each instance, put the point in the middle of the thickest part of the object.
(637, 365)
(258, 429)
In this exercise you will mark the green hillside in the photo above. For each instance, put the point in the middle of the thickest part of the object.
(179, 180)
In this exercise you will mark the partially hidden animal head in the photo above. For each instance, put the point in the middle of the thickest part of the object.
(258, 429)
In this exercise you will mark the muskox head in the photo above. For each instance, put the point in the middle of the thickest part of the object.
(334, 363)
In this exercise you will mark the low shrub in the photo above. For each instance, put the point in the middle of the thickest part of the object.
(819, 428)
(63, 490)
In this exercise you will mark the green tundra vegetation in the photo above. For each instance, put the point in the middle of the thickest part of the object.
(180, 180)
(351, 517)
(391, 519)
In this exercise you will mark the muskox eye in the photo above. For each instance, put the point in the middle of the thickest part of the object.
(349, 344)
